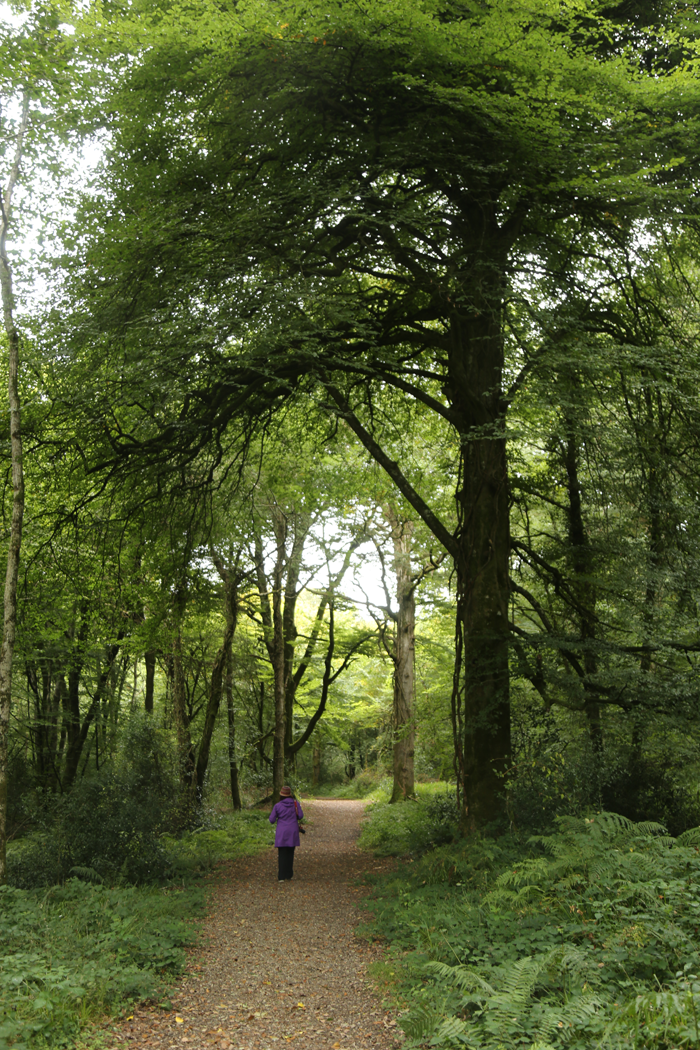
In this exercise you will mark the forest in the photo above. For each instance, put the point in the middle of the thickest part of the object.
(351, 439)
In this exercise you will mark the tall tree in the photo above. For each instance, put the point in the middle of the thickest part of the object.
(12, 569)
(363, 185)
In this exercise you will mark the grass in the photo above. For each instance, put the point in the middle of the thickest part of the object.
(584, 938)
(71, 954)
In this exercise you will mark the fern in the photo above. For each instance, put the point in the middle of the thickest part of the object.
(87, 874)
(585, 941)
(691, 837)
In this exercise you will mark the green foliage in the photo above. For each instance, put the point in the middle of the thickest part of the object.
(411, 827)
(77, 950)
(111, 823)
(585, 937)
(239, 835)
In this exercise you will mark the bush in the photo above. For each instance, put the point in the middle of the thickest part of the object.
(111, 824)
(411, 827)
(370, 782)
(651, 788)
(239, 835)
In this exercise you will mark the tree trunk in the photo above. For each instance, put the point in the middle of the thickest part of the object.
(184, 741)
(301, 525)
(583, 586)
(13, 552)
(480, 700)
(273, 623)
(222, 664)
(404, 657)
(316, 766)
(480, 546)
(232, 763)
(150, 661)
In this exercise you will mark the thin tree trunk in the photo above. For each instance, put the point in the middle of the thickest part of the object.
(232, 763)
(301, 526)
(229, 575)
(584, 588)
(404, 657)
(182, 729)
(150, 662)
(13, 553)
(272, 615)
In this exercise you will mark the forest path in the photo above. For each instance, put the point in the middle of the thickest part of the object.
(271, 947)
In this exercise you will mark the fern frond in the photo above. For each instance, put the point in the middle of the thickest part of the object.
(451, 1029)
(691, 837)
(462, 977)
(89, 874)
(420, 1023)
(566, 1018)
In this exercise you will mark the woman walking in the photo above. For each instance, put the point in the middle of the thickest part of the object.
(287, 814)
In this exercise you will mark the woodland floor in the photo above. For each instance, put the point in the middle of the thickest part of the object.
(279, 962)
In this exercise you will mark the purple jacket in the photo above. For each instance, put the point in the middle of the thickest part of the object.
(287, 830)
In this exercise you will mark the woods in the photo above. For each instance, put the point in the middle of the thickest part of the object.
(352, 430)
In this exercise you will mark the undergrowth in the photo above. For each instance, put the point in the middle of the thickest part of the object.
(411, 827)
(72, 952)
(584, 938)
(241, 835)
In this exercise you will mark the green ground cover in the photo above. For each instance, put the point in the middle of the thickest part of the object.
(74, 952)
(588, 937)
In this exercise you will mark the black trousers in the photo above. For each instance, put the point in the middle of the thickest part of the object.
(285, 859)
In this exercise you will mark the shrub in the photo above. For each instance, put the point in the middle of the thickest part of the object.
(238, 835)
(411, 827)
(111, 824)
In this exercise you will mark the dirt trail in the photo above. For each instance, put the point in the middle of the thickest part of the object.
(281, 963)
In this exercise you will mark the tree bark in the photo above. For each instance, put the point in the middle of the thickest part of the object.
(184, 741)
(583, 585)
(232, 761)
(273, 626)
(13, 553)
(301, 522)
(150, 661)
(404, 657)
(480, 700)
(222, 663)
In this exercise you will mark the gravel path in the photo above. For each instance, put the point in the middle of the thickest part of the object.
(281, 963)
